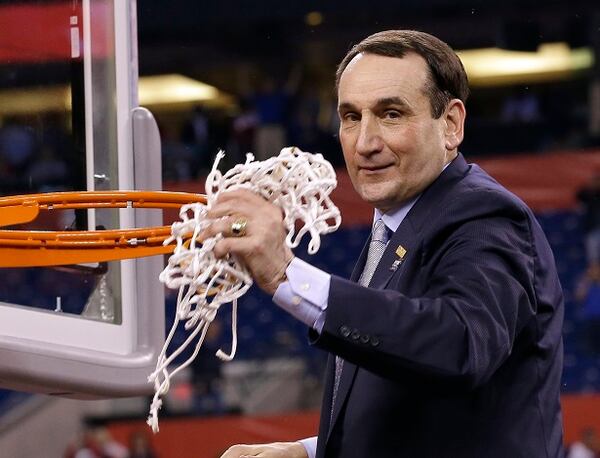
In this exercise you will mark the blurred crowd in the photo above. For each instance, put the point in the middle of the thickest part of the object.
(38, 152)
(266, 119)
(587, 446)
(95, 441)
(587, 293)
(520, 119)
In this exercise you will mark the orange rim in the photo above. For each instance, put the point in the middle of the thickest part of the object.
(23, 248)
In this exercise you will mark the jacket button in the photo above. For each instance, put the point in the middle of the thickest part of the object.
(374, 341)
(355, 334)
(365, 338)
(345, 331)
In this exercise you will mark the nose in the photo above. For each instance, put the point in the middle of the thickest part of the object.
(369, 139)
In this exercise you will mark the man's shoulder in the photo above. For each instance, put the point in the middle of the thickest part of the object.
(464, 193)
(480, 192)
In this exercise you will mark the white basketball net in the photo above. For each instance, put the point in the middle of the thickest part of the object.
(300, 184)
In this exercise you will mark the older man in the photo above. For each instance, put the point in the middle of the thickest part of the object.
(446, 341)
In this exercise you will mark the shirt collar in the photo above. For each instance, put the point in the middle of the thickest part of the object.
(394, 218)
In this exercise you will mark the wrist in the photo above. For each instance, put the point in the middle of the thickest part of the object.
(279, 278)
(299, 450)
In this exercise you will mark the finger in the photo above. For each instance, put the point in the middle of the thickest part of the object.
(241, 246)
(256, 451)
(221, 209)
(235, 206)
(237, 451)
(220, 226)
(239, 194)
(225, 226)
(236, 202)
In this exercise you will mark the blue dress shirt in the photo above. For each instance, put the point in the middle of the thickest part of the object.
(304, 294)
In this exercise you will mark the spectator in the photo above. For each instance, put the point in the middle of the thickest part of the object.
(49, 172)
(96, 442)
(206, 375)
(272, 104)
(589, 197)
(523, 106)
(243, 130)
(140, 446)
(195, 135)
(304, 130)
(587, 447)
(588, 295)
(17, 148)
(177, 158)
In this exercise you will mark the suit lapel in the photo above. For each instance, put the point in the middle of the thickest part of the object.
(324, 422)
(346, 380)
(406, 238)
(401, 244)
(408, 234)
(380, 278)
(348, 369)
(360, 264)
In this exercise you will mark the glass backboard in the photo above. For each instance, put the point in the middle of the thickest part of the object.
(69, 121)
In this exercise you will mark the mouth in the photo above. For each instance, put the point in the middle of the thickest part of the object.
(373, 169)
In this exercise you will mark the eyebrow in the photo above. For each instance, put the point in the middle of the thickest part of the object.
(384, 102)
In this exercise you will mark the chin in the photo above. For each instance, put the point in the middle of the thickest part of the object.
(376, 202)
(375, 197)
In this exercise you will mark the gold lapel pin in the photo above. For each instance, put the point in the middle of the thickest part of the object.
(400, 252)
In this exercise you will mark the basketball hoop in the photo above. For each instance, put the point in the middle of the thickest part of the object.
(27, 248)
(299, 183)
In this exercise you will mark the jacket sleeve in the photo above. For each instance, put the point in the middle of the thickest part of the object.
(452, 315)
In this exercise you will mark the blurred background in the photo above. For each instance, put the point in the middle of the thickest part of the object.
(257, 76)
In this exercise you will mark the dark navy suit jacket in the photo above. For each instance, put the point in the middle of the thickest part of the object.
(455, 349)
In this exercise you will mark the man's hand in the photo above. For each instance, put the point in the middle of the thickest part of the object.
(262, 247)
(274, 450)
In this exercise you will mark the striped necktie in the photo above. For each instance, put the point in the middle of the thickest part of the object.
(379, 239)
(377, 246)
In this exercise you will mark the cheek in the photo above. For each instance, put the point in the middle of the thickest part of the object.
(415, 146)
(347, 151)
(403, 140)
(414, 153)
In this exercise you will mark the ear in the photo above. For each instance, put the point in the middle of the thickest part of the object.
(454, 126)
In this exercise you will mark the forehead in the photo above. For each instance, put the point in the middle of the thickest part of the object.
(370, 75)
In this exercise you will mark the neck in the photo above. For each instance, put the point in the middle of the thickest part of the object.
(450, 156)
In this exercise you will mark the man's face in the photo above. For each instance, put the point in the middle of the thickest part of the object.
(392, 146)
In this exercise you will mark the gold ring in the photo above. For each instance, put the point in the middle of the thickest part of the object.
(238, 227)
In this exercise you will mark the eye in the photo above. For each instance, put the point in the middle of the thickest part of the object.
(392, 114)
(350, 117)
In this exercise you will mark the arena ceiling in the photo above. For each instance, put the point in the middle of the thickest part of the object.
(215, 40)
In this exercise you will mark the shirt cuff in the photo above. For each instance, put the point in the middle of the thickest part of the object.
(304, 294)
(310, 445)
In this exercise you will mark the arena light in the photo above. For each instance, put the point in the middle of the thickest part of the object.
(552, 61)
(34, 100)
(314, 18)
(154, 91)
(167, 89)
